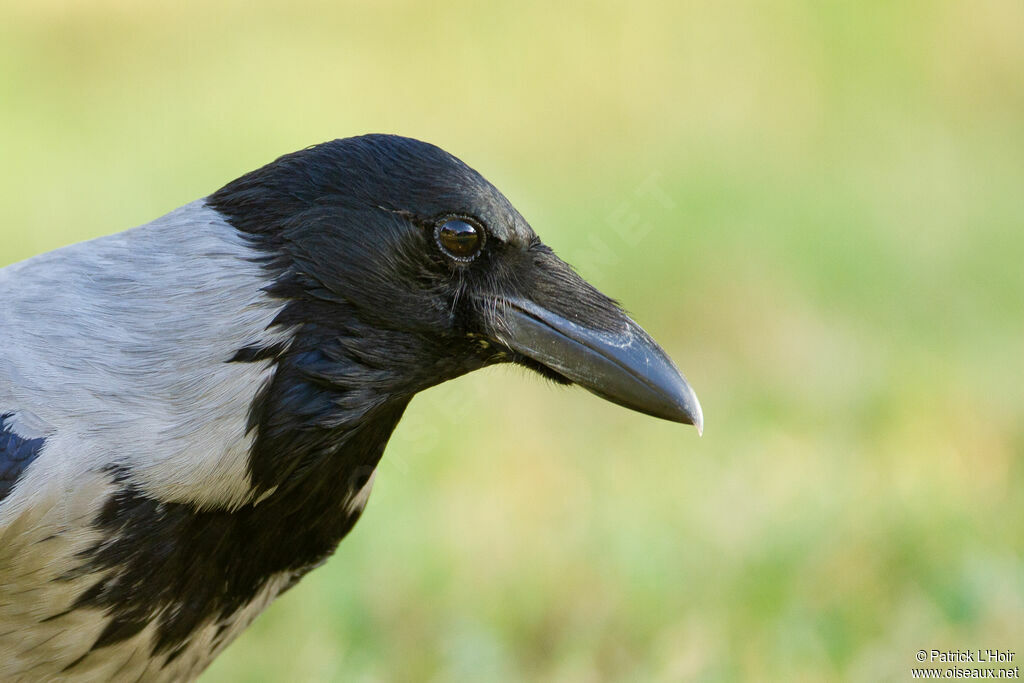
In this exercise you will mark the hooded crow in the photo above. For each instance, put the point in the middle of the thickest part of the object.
(191, 411)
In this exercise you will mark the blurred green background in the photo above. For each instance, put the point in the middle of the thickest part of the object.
(816, 207)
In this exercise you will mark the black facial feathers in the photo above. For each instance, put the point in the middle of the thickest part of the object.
(346, 231)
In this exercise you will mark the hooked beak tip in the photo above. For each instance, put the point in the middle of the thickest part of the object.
(697, 418)
(686, 408)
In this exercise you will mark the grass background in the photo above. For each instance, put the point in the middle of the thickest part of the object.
(816, 207)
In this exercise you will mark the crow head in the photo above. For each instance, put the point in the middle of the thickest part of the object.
(385, 266)
(403, 268)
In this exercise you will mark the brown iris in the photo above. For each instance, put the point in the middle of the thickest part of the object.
(459, 239)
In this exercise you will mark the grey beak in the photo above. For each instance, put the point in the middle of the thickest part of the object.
(625, 367)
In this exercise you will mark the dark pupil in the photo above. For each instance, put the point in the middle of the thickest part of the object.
(459, 237)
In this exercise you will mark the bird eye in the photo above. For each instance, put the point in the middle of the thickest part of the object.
(459, 239)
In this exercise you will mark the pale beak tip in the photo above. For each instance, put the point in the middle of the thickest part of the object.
(687, 407)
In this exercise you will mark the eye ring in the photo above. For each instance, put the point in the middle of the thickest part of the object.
(459, 238)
